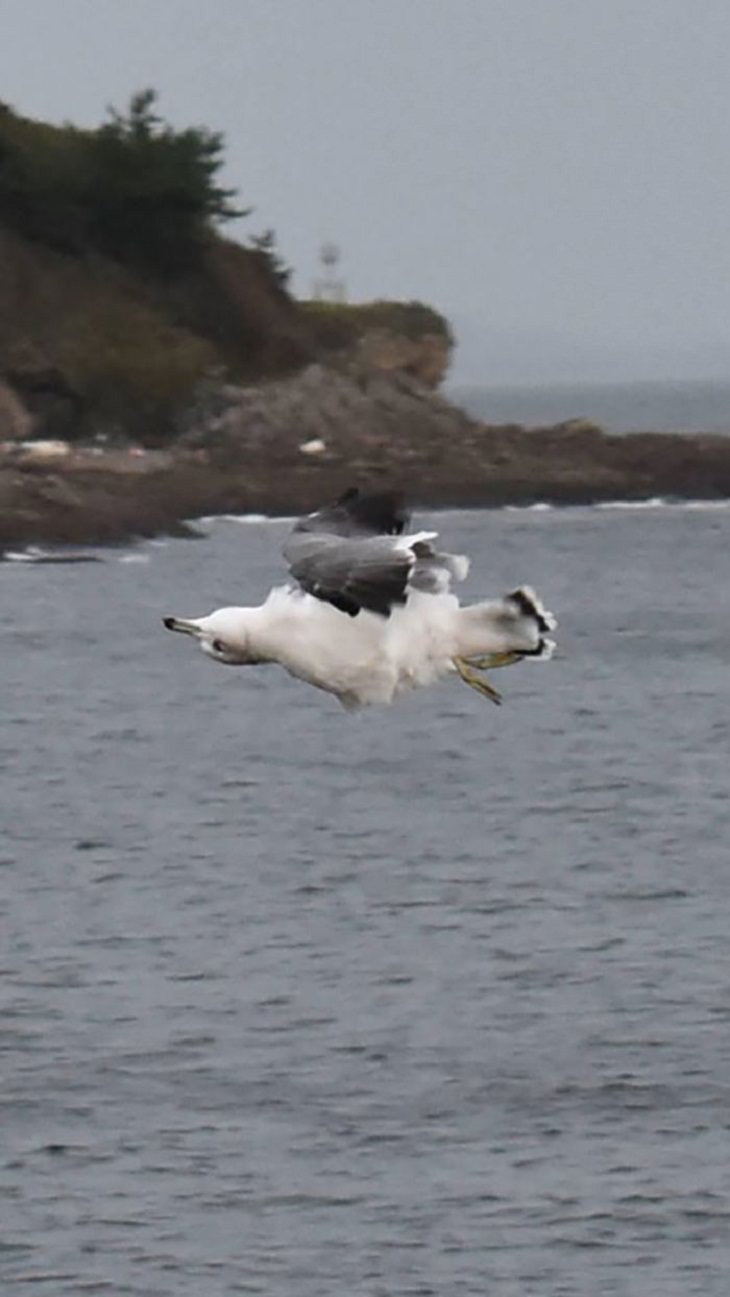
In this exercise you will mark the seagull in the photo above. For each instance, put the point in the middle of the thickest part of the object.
(369, 613)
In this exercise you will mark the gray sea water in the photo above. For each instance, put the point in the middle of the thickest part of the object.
(434, 1000)
(680, 406)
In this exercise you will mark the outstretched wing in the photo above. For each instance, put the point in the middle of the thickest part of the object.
(350, 573)
(382, 514)
(354, 556)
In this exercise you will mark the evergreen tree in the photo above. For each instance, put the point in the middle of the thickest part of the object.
(135, 188)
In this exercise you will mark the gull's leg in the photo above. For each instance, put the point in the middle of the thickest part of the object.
(470, 677)
(490, 661)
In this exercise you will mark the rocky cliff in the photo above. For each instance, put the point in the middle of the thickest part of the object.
(286, 445)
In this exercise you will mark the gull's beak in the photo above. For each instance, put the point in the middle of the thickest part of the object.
(177, 623)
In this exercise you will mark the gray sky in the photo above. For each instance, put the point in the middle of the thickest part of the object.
(553, 174)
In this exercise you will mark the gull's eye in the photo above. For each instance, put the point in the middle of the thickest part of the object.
(218, 646)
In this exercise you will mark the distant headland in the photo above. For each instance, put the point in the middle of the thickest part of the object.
(152, 370)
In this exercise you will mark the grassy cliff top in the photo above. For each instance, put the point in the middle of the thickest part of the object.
(341, 323)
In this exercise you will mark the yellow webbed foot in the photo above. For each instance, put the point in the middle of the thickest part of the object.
(480, 683)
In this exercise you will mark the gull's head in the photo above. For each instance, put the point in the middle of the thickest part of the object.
(224, 635)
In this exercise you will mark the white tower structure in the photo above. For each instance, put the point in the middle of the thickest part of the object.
(329, 287)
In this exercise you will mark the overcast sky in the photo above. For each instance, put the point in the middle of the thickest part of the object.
(553, 174)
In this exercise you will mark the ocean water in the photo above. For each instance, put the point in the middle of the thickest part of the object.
(617, 407)
(431, 1000)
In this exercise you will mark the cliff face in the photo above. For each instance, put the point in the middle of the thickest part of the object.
(88, 346)
(384, 336)
(16, 423)
(425, 358)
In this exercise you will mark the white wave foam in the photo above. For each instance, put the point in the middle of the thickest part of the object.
(36, 554)
(242, 519)
(705, 505)
(655, 502)
(30, 555)
(540, 506)
(658, 502)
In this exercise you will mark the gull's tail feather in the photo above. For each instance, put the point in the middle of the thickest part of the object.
(516, 624)
(543, 652)
(531, 605)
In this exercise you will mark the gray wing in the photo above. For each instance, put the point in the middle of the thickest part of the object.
(348, 554)
(351, 573)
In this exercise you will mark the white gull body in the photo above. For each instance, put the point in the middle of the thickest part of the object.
(327, 635)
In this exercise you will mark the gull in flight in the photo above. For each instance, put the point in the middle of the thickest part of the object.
(370, 615)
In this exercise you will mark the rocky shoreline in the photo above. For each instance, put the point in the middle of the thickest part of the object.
(284, 446)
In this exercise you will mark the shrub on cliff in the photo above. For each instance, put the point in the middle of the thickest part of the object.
(133, 369)
(339, 324)
(44, 175)
(263, 247)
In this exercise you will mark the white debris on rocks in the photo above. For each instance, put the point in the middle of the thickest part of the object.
(43, 452)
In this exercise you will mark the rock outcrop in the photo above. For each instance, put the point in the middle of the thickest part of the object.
(425, 358)
(285, 446)
(16, 423)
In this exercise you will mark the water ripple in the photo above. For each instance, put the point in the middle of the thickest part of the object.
(430, 1001)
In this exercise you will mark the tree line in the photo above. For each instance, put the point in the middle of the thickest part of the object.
(135, 189)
